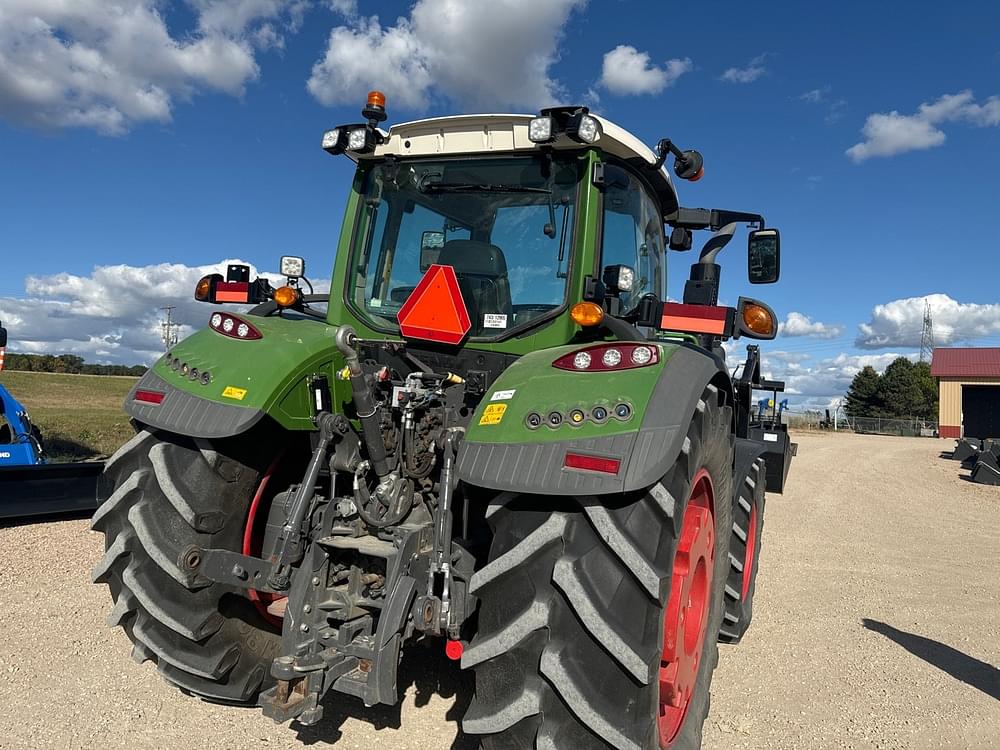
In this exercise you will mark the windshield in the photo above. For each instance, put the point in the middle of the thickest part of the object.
(505, 225)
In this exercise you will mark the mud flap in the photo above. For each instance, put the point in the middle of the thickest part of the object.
(45, 489)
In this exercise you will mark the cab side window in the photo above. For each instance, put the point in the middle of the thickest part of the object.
(633, 234)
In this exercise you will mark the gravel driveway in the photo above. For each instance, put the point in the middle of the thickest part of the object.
(877, 625)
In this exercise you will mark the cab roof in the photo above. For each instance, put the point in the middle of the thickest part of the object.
(508, 133)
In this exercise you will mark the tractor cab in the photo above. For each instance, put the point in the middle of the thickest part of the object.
(540, 226)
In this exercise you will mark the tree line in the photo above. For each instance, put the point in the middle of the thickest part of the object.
(905, 389)
(66, 363)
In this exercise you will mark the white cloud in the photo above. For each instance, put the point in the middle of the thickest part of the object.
(107, 65)
(888, 134)
(754, 70)
(475, 55)
(900, 322)
(627, 71)
(113, 314)
(822, 96)
(797, 324)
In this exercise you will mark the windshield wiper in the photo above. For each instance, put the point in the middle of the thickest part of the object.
(469, 187)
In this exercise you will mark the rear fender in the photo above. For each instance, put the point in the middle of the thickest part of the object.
(247, 379)
(507, 454)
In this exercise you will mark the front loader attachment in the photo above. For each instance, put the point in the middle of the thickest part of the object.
(966, 448)
(46, 489)
(987, 467)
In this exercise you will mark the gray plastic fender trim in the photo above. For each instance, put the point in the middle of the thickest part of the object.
(670, 409)
(185, 414)
(646, 454)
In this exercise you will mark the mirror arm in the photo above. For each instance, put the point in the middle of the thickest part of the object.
(714, 219)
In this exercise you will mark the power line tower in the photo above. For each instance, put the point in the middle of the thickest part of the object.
(927, 335)
(168, 329)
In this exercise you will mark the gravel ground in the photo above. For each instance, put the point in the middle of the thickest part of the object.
(877, 626)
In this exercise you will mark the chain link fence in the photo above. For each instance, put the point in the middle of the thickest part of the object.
(908, 427)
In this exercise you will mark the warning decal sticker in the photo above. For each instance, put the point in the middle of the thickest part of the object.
(493, 414)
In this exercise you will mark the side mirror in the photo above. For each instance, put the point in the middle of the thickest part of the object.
(764, 256)
(3, 337)
(293, 267)
(431, 243)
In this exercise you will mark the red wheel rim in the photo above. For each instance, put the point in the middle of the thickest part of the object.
(751, 545)
(253, 542)
(685, 622)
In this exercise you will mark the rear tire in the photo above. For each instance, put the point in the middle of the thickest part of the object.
(744, 552)
(571, 624)
(167, 494)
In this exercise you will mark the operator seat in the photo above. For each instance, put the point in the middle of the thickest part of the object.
(482, 276)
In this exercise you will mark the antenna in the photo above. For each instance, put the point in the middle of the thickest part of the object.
(168, 329)
(927, 335)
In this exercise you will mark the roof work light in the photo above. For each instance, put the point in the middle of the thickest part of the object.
(575, 122)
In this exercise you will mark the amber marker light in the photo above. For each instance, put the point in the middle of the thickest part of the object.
(758, 319)
(286, 296)
(376, 99)
(586, 314)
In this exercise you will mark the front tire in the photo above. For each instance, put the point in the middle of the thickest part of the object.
(580, 643)
(167, 495)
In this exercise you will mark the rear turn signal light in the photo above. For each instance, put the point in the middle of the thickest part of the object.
(586, 314)
(606, 357)
(286, 296)
(233, 327)
(758, 319)
(592, 463)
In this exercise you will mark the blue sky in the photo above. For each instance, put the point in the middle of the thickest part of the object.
(141, 133)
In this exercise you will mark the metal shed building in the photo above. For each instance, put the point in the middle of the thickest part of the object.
(968, 391)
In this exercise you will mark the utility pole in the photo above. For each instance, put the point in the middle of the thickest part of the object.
(168, 329)
(927, 335)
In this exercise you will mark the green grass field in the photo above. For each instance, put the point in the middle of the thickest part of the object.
(80, 416)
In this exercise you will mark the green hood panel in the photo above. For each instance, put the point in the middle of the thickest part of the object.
(533, 385)
(269, 374)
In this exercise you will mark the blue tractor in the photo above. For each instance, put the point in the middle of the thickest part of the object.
(30, 485)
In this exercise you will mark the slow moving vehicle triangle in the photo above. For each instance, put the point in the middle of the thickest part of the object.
(435, 310)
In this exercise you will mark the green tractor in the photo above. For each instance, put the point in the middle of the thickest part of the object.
(493, 431)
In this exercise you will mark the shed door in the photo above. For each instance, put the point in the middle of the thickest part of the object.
(981, 411)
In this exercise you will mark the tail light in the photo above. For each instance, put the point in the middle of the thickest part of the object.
(606, 357)
(233, 327)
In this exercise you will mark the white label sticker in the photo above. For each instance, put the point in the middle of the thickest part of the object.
(494, 320)
(502, 395)
(770, 437)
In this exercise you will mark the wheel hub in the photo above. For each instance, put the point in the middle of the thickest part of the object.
(686, 617)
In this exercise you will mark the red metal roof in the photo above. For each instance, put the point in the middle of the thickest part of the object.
(966, 362)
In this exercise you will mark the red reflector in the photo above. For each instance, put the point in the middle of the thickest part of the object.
(232, 291)
(454, 650)
(592, 463)
(150, 397)
(694, 318)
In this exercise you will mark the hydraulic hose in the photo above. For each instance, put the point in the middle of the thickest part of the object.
(364, 403)
(362, 498)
